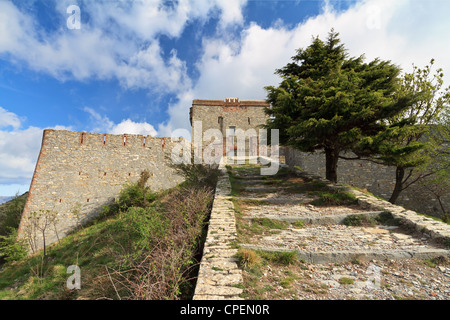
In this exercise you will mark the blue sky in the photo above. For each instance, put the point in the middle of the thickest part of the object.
(136, 66)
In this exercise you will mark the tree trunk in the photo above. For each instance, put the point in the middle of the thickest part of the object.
(331, 158)
(399, 175)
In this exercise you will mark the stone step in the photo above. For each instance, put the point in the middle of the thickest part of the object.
(250, 181)
(316, 220)
(268, 189)
(336, 243)
(278, 200)
(344, 256)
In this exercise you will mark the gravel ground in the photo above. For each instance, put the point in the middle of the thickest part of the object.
(374, 280)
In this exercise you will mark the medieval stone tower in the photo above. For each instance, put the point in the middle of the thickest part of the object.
(228, 116)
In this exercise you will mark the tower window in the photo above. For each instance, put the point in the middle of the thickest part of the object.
(232, 130)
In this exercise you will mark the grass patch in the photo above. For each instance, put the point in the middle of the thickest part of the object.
(279, 257)
(386, 218)
(438, 261)
(346, 281)
(300, 224)
(271, 223)
(357, 220)
(336, 197)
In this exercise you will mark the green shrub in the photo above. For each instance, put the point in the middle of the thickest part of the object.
(300, 224)
(11, 248)
(248, 257)
(137, 195)
(11, 213)
(387, 218)
(198, 174)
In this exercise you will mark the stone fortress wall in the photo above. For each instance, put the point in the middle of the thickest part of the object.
(77, 173)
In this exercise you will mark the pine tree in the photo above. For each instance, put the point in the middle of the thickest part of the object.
(414, 138)
(329, 101)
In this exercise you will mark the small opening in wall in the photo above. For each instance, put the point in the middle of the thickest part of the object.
(248, 120)
(129, 174)
(79, 173)
(104, 139)
(87, 200)
(60, 200)
(124, 140)
(82, 138)
(163, 142)
(104, 174)
(144, 141)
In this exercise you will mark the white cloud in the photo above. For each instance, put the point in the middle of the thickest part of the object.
(19, 147)
(19, 150)
(121, 42)
(102, 124)
(403, 31)
(131, 127)
(9, 119)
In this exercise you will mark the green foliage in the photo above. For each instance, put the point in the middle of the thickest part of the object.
(140, 229)
(300, 224)
(438, 184)
(137, 195)
(331, 102)
(11, 213)
(198, 174)
(415, 140)
(279, 257)
(346, 280)
(357, 220)
(12, 248)
(386, 218)
(335, 197)
(271, 223)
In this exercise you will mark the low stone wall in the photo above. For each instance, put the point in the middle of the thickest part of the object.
(377, 179)
(431, 228)
(219, 271)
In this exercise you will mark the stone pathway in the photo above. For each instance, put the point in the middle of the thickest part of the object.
(408, 259)
(331, 250)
